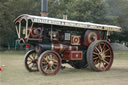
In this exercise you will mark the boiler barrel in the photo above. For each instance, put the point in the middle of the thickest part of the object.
(58, 47)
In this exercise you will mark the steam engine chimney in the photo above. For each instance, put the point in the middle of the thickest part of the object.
(44, 8)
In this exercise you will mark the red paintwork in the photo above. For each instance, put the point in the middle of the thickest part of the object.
(72, 55)
(76, 55)
(86, 40)
(66, 55)
(56, 42)
(76, 40)
(27, 46)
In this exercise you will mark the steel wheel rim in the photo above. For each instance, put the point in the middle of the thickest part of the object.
(102, 56)
(31, 61)
(50, 63)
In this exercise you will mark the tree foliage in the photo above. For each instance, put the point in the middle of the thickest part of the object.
(117, 13)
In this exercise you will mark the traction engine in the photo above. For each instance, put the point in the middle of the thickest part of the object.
(58, 41)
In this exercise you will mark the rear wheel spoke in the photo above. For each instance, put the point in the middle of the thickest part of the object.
(95, 58)
(96, 53)
(100, 48)
(104, 46)
(106, 50)
(97, 50)
(107, 56)
(106, 61)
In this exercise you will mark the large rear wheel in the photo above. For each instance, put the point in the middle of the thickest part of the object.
(100, 55)
(49, 62)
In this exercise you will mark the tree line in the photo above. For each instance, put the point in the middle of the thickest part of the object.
(113, 12)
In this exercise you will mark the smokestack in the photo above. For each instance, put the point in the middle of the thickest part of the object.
(44, 8)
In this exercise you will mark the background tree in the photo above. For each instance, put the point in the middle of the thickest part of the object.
(10, 9)
(117, 13)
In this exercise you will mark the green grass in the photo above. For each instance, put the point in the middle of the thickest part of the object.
(14, 73)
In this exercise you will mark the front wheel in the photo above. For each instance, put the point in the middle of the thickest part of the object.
(49, 62)
(100, 55)
(30, 61)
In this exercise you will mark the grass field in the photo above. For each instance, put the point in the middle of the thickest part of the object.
(14, 73)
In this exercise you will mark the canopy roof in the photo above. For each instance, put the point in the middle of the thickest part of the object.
(69, 23)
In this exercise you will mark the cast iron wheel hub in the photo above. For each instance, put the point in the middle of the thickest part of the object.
(102, 56)
(50, 63)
